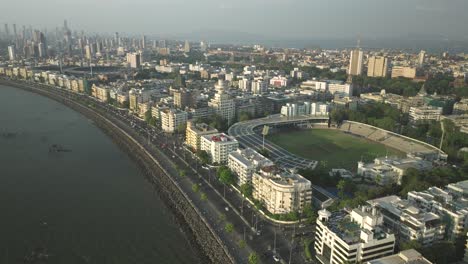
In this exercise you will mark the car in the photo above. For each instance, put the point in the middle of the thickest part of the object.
(259, 232)
(226, 208)
(276, 258)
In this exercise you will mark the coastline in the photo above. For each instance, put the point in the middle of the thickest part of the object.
(205, 243)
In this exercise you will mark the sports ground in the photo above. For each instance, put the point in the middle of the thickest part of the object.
(334, 147)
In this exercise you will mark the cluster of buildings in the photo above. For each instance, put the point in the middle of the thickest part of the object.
(370, 233)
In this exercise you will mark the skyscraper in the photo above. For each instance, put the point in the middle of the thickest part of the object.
(355, 62)
(187, 47)
(11, 53)
(143, 42)
(7, 30)
(421, 57)
(377, 66)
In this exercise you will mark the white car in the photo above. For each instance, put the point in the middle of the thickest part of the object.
(276, 258)
(226, 208)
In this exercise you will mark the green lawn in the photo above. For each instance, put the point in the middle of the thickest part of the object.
(336, 148)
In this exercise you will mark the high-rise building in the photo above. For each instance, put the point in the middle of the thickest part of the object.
(88, 52)
(222, 103)
(7, 31)
(421, 58)
(143, 42)
(172, 120)
(187, 47)
(218, 146)
(355, 62)
(11, 53)
(134, 60)
(377, 66)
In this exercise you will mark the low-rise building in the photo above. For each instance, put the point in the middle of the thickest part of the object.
(244, 162)
(194, 133)
(409, 222)
(172, 120)
(450, 203)
(405, 72)
(425, 113)
(218, 146)
(281, 192)
(461, 107)
(390, 170)
(355, 237)
(409, 256)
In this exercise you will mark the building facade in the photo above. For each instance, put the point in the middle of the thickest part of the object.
(244, 162)
(218, 146)
(194, 133)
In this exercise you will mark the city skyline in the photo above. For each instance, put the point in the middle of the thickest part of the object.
(274, 20)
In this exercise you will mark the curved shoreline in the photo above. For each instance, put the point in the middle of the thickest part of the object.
(201, 236)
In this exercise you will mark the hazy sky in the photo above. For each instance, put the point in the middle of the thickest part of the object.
(304, 19)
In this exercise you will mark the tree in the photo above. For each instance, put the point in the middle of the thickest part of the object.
(246, 189)
(152, 121)
(147, 116)
(203, 156)
(244, 116)
(203, 196)
(253, 258)
(181, 128)
(226, 177)
(195, 187)
(229, 227)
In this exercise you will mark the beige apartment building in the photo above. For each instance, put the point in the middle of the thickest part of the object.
(377, 66)
(281, 192)
(194, 133)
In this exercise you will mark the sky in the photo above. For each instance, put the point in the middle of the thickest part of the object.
(273, 19)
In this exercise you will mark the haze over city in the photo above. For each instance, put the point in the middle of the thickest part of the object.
(275, 21)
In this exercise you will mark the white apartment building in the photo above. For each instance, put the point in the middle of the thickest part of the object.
(425, 113)
(307, 108)
(409, 222)
(218, 146)
(355, 237)
(222, 103)
(390, 170)
(450, 202)
(245, 84)
(195, 132)
(172, 119)
(281, 192)
(342, 88)
(244, 162)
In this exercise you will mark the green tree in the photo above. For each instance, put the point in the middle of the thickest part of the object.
(181, 128)
(203, 156)
(246, 189)
(195, 187)
(226, 177)
(253, 258)
(229, 227)
(203, 196)
(147, 116)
